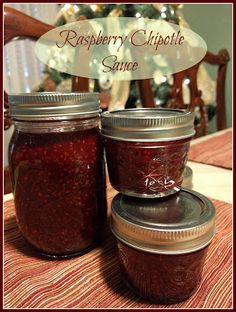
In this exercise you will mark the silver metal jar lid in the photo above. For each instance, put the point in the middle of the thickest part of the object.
(182, 223)
(53, 105)
(148, 124)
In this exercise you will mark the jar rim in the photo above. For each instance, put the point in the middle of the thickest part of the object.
(178, 224)
(147, 124)
(53, 105)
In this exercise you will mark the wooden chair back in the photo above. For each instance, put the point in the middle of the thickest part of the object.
(176, 91)
(18, 25)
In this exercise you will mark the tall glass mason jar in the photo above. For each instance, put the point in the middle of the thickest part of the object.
(57, 171)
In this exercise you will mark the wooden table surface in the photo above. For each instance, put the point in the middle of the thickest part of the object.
(211, 180)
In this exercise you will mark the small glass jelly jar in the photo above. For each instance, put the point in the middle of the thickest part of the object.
(56, 165)
(146, 149)
(162, 243)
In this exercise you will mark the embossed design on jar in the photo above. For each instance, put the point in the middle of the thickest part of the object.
(146, 168)
(160, 278)
(157, 182)
(180, 275)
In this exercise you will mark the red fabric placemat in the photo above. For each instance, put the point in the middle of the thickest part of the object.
(216, 151)
(93, 280)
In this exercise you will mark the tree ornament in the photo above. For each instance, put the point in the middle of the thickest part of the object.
(105, 82)
(69, 11)
(162, 93)
(115, 13)
(146, 11)
(119, 94)
(160, 60)
(158, 6)
(207, 85)
(49, 85)
(170, 79)
(65, 85)
(177, 6)
(105, 98)
(168, 13)
(97, 7)
(158, 77)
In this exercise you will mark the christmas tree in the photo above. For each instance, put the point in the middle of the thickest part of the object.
(122, 94)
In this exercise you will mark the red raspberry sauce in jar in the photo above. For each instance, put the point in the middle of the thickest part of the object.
(162, 243)
(147, 149)
(141, 168)
(162, 279)
(57, 170)
(58, 183)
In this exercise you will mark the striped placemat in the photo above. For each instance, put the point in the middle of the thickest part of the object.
(93, 280)
(216, 151)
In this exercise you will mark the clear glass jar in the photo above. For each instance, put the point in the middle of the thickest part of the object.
(187, 178)
(162, 243)
(57, 171)
(146, 150)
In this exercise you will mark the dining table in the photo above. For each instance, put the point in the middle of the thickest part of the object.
(94, 281)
